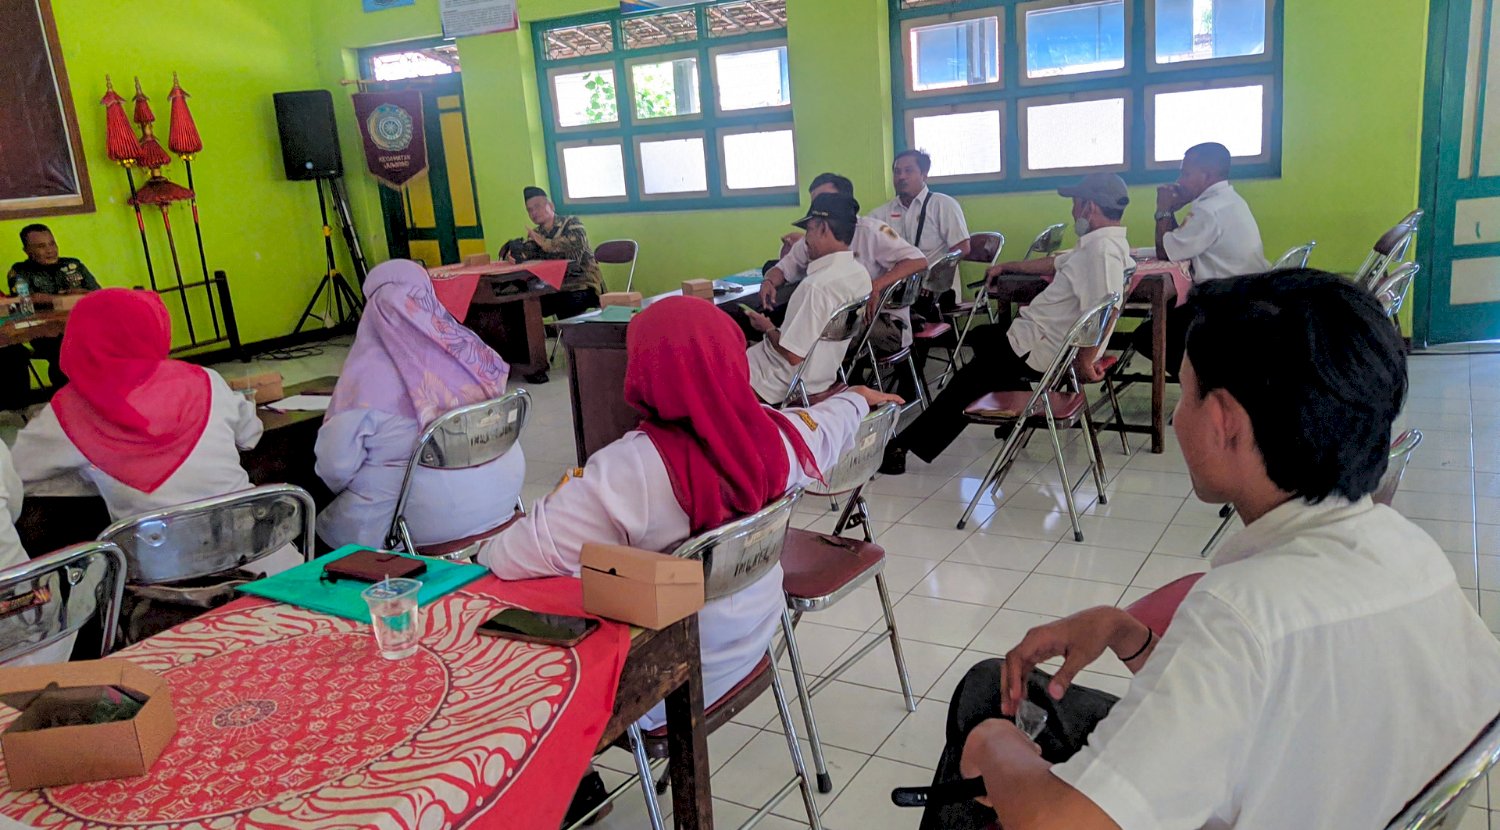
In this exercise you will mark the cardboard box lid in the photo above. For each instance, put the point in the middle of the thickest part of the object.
(639, 565)
(109, 672)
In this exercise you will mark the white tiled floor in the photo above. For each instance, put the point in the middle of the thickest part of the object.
(964, 595)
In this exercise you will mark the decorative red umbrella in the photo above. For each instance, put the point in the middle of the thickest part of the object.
(152, 155)
(183, 137)
(123, 149)
(158, 190)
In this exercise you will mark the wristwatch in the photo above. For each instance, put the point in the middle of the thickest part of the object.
(1165, 214)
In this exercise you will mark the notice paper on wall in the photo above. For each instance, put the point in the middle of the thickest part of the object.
(463, 18)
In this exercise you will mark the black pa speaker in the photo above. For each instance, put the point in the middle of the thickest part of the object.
(309, 136)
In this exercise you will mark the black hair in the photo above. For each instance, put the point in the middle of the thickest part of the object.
(34, 227)
(1318, 368)
(1211, 156)
(924, 161)
(531, 192)
(841, 184)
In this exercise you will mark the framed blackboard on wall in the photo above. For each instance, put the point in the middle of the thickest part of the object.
(42, 168)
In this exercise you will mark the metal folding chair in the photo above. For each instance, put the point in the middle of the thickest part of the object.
(1389, 249)
(939, 334)
(463, 438)
(1046, 243)
(1400, 456)
(1391, 291)
(1441, 804)
(619, 252)
(49, 598)
(1056, 401)
(821, 569)
(1295, 257)
(841, 327)
(734, 557)
(899, 295)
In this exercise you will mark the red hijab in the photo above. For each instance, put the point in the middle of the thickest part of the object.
(688, 375)
(132, 412)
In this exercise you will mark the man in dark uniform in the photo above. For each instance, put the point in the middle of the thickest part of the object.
(45, 274)
(559, 237)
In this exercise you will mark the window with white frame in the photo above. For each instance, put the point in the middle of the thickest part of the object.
(676, 110)
(1027, 94)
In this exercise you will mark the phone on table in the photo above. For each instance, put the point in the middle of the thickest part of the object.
(543, 629)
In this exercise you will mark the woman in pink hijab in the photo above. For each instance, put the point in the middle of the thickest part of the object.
(411, 362)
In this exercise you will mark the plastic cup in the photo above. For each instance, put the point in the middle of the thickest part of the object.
(395, 617)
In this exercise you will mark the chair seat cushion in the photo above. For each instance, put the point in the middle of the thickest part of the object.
(893, 357)
(719, 711)
(446, 549)
(1007, 406)
(817, 564)
(931, 331)
(960, 309)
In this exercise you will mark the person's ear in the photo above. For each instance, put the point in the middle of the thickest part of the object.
(1230, 423)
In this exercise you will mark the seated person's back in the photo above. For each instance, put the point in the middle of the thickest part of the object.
(411, 362)
(22, 625)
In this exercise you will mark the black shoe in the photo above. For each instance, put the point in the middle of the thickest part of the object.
(537, 377)
(1003, 431)
(590, 793)
(894, 463)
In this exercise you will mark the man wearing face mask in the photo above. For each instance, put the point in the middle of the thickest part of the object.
(1010, 359)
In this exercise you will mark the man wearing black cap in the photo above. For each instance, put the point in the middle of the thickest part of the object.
(559, 237)
(1010, 359)
(834, 279)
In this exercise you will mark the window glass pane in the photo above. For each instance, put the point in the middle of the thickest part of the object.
(960, 53)
(756, 160)
(1232, 116)
(673, 166)
(748, 16)
(418, 63)
(917, 4)
(579, 41)
(594, 172)
(1076, 134)
(1195, 30)
(751, 80)
(1073, 39)
(666, 88)
(960, 143)
(585, 98)
(660, 29)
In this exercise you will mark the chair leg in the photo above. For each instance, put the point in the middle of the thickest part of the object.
(921, 383)
(1213, 541)
(1062, 469)
(648, 782)
(890, 627)
(804, 697)
(1002, 461)
(1114, 401)
(803, 779)
(1096, 458)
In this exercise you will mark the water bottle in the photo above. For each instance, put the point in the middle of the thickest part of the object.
(23, 297)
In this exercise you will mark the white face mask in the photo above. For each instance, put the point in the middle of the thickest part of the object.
(1081, 225)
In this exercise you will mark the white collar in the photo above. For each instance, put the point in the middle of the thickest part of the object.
(829, 260)
(1213, 190)
(919, 199)
(1098, 235)
(1286, 521)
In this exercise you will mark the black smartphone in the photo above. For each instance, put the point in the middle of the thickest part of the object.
(544, 629)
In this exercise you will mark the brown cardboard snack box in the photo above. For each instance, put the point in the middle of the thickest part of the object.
(477, 259)
(628, 299)
(71, 754)
(65, 302)
(651, 590)
(267, 386)
(702, 289)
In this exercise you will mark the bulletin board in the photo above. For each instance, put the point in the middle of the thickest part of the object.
(42, 169)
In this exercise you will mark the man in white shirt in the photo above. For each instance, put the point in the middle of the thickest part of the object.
(1010, 359)
(834, 279)
(1325, 668)
(1220, 238)
(933, 222)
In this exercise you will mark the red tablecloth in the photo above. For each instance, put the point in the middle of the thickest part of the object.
(288, 718)
(455, 284)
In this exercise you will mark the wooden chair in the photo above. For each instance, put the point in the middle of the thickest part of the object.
(51, 597)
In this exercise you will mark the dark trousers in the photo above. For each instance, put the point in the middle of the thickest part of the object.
(15, 370)
(565, 304)
(977, 699)
(995, 367)
(1178, 320)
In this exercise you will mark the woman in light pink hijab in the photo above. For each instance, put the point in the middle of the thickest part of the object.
(411, 362)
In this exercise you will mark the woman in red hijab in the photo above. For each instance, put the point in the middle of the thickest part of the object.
(145, 431)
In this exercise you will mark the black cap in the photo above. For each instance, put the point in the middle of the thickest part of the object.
(835, 207)
(533, 192)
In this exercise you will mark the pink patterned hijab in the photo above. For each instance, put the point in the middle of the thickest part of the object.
(410, 357)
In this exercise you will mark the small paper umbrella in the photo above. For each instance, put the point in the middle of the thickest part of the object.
(121, 144)
(183, 137)
(143, 113)
(158, 190)
(152, 155)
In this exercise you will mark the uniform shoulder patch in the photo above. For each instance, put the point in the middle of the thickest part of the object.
(575, 472)
(889, 231)
(807, 419)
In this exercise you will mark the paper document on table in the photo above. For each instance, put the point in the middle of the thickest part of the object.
(301, 403)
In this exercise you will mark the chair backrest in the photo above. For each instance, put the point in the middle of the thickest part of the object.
(943, 271)
(46, 599)
(843, 324)
(1400, 456)
(737, 554)
(1047, 242)
(1445, 799)
(860, 462)
(468, 436)
(619, 252)
(1295, 257)
(985, 247)
(213, 535)
(903, 293)
(1087, 333)
(1389, 248)
(1391, 291)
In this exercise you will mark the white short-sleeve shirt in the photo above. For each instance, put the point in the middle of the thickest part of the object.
(1085, 276)
(832, 281)
(944, 228)
(876, 246)
(1320, 674)
(1220, 237)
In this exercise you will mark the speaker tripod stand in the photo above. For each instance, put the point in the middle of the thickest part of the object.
(342, 305)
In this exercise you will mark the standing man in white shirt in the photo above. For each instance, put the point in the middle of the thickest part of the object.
(834, 279)
(1010, 359)
(933, 222)
(1220, 237)
(1325, 668)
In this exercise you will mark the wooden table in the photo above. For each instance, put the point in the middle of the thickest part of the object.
(596, 374)
(656, 671)
(1157, 291)
(36, 326)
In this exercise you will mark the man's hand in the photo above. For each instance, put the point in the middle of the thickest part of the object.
(982, 744)
(768, 288)
(1078, 639)
(535, 237)
(759, 322)
(874, 398)
(1168, 197)
(792, 238)
(999, 268)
